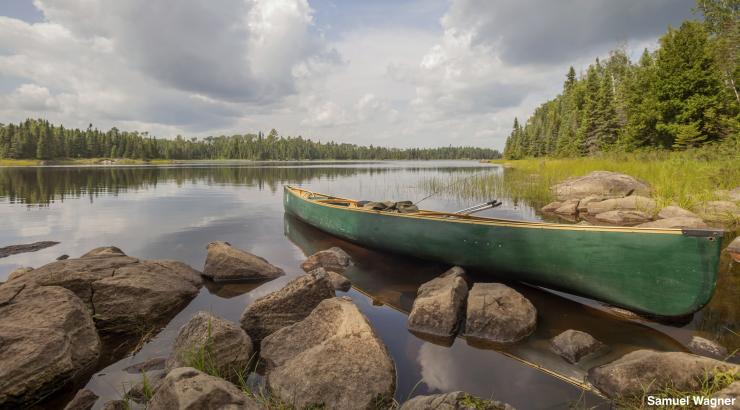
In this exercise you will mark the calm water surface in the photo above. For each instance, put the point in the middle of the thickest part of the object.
(173, 212)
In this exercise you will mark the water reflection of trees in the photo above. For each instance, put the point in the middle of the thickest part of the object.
(42, 186)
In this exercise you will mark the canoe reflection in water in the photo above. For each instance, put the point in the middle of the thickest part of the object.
(393, 280)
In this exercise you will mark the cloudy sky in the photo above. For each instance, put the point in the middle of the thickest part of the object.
(383, 72)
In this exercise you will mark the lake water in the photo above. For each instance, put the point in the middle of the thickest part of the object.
(173, 212)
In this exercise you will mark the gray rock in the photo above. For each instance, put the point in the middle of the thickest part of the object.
(600, 183)
(719, 211)
(439, 304)
(143, 294)
(286, 306)
(496, 313)
(630, 203)
(185, 388)
(573, 345)
(47, 338)
(334, 259)
(569, 207)
(116, 405)
(625, 218)
(734, 249)
(551, 207)
(124, 293)
(225, 262)
(18, 273)
(83, 400)
(62, 257)
(332, 357)
(706, 347)
(730, 397)
(648, 371)
(673, 211)
(457, 400)
(226, 345)
(583, 203)
(675, 222)
(155, 363)
(339, 282)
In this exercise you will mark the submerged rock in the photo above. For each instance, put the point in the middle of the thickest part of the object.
(47, 338)
(334, 259)
(675, 222)
(573, 345)
(673, 211)
(648, 371)
(456, 400)
(439, 304)
(600, 183)
(187, 388)
(627, 218)
(155, 363)
(225, 262)
(286, 306)
(497, 313)
(83, 400)
(333, 357)
(227, 346)
(706, 347)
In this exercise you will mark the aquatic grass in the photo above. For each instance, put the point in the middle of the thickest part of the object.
(709, 384)
(685, 178)
(146, 387)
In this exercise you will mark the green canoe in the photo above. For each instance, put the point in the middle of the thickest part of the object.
(661, 272)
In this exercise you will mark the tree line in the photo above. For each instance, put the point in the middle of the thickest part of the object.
(684, 94)
(38, 139)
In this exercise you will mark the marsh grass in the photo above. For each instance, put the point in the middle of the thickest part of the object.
(685, 178)
(712, 382)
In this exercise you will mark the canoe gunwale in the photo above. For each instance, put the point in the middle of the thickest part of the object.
(326, 200)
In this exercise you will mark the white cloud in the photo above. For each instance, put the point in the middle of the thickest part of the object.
(188, 67)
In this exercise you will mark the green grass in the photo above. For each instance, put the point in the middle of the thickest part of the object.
(711, 383)
(685, 178)
(18, 162)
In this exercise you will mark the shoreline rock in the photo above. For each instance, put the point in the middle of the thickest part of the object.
(675, 222)
(573, 345)
(605, 184)
(84, 399)
(286, 306)
(333, 357)
(334, 259)
(187, 388)
(497, 313)
(439, 305)
(457, 400)
(623, 218)
(227, 263)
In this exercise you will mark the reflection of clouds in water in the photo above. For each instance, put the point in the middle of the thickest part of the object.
(438, 369)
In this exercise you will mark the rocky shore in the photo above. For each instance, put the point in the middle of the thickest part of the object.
(609, 198)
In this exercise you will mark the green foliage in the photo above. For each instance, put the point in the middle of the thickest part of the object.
(40, 140)
(681, 96)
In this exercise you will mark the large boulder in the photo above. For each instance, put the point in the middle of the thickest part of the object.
(573, 345)
(625, 218)
(185, 388)
(439, 304)
(673, 211)
(124, 293)
(148, 292)
(647, 371)
(675, 222)
(734, 249)
(47, 339)
(334, 259)
(725, 399)
(630, 203)
(332, 357)
(222, 344)
(286, 306)
(456, 400)
(227, 263)
(497, 313)
(600, 183)
(84, 399)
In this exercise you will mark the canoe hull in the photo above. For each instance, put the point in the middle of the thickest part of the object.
(655, 273)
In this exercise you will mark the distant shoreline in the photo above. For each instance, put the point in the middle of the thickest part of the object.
(108, 162)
